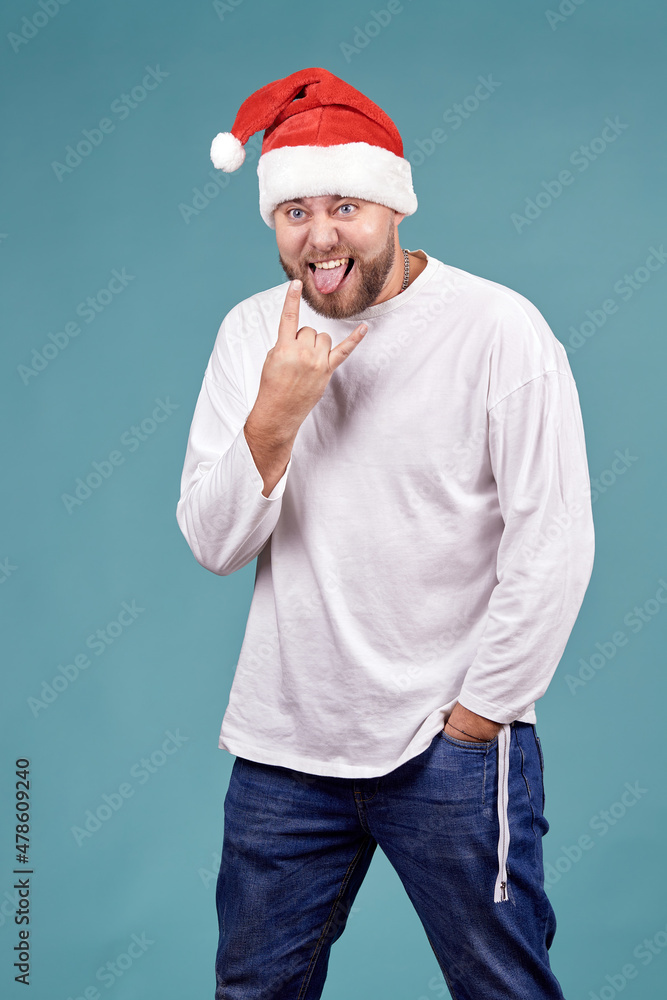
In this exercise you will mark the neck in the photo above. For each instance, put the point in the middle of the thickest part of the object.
(394, 284)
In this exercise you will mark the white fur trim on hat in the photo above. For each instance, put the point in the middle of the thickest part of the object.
(353, 170)
(227, 153)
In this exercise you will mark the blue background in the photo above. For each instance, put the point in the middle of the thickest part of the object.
(150, 867)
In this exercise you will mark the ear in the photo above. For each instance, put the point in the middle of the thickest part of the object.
(398, 218)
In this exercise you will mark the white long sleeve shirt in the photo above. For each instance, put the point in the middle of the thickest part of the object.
(429, 542)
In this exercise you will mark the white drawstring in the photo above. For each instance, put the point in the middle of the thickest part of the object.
(500, 891)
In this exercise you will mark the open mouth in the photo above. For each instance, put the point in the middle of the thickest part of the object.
(329, 276)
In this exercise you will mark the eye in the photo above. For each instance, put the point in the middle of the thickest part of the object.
(296, 217)
(343, 207)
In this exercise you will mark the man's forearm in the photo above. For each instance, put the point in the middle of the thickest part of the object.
(270, 450)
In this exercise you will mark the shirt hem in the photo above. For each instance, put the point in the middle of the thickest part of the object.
(323, 768)
(497, 713)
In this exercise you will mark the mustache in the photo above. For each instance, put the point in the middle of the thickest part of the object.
(330, 255)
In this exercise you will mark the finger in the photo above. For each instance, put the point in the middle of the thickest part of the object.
(306, 335)
(289, 317)
(345, 348)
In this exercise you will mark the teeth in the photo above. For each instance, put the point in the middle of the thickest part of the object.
(331, 263)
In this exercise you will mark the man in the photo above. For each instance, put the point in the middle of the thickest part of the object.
(413, 481)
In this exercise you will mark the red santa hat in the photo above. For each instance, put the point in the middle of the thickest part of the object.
(322, 137)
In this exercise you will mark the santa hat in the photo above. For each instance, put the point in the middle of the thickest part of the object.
(322, 137)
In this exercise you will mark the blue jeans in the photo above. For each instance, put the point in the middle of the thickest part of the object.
(297, 846)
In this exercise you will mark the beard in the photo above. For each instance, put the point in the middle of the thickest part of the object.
(367, 283)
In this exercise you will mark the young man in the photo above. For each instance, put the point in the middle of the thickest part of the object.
(400, 444)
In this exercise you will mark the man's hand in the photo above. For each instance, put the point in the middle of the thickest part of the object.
(298, 367)
(296, 372)
(471, 724)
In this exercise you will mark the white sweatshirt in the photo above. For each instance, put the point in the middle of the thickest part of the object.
(430, 540)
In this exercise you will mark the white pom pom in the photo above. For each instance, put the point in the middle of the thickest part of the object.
(227, 153)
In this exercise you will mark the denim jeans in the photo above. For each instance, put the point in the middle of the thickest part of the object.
(297, 846)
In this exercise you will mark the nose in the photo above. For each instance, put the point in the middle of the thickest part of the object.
(322, 232)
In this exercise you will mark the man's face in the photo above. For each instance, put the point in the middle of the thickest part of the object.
(361, 234)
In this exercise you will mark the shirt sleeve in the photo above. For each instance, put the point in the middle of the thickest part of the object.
(222, 512)
(545, 556)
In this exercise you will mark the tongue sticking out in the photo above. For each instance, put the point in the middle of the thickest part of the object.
(328, 279)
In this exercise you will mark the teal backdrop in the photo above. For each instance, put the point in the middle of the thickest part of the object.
(122, 250)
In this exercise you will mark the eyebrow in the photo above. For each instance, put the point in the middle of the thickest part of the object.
(299, 201)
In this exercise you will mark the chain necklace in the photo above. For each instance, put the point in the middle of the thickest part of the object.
(406, 270)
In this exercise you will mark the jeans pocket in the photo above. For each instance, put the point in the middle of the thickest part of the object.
(469, 744)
